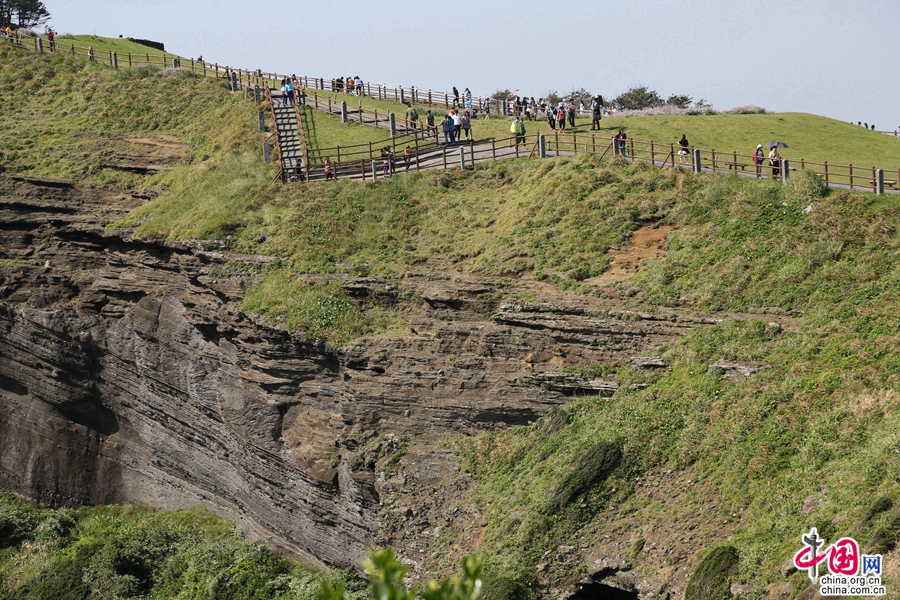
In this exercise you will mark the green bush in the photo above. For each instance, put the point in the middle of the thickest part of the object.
(591, 466)
(17, 521)
(508, 586)
(711, 579)
(804, 186)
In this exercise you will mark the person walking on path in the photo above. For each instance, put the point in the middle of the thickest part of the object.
(758, 158)
(551, 118)
(455, 96)
(50, 37)
(518, 129)
(429, 122)
(446, 124)
(561, 117)
(466, 123)
(682, 154)
(775, 161)
(412, 118)
(329, 172)
(467, 98)
(572, 113)
(407, 154)
(457, 125)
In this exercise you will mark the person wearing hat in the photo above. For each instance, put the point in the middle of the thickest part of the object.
(758, 158)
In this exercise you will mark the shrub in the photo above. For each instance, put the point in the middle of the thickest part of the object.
(591, 466)
(804, 186)
(17, 522)
(711, 579)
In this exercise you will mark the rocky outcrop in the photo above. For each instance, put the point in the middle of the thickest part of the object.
(129, 374)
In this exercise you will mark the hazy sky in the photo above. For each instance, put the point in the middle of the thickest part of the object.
(836, 58)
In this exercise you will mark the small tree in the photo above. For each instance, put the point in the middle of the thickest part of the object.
(638, 98)
(503, 94)
(579, 96)
(552, 97)
(681, 101)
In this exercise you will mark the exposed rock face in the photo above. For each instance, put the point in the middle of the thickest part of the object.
(129, 374)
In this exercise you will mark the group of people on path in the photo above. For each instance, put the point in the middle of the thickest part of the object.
(351, 85)
(454, 125)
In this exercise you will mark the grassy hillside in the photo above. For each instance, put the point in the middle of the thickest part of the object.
(810, 440)
(64, 118)
(129, 552)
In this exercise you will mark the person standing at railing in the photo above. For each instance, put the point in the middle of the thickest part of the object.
(407, 154)
(50, 37)
(682, 154)
(455, 96)
(775, 161)
(758, 158)
(467, 96)
(329, 173)
(620, 143)
(359, 86)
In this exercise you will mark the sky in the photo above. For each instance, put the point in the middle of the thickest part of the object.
(828, 57)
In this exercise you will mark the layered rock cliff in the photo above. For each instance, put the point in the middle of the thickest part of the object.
(129, 374)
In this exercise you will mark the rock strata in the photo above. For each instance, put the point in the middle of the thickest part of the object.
(129, 374)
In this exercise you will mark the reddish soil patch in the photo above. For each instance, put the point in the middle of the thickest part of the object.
(645, 243)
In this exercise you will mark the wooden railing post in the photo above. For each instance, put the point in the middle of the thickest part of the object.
(851, 176)
(826, 172)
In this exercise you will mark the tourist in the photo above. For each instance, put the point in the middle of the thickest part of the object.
(407, 154)
(620, 143)
(561, 117)
(446, 124)
(775, 161)
(465, 122)
(455, 96)
(572, 113)
(518, 129)
(596, 112)
(329, 173)
(456, 126)
(758, 158)
(412, 118)
(682, 154)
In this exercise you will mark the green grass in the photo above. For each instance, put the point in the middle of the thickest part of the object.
(65, 118)
(122, 46)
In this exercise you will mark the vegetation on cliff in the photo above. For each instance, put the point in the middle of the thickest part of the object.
(129, 552)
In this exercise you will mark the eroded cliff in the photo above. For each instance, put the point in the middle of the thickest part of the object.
(129, 374)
